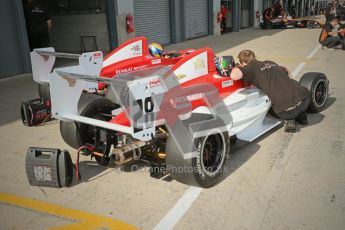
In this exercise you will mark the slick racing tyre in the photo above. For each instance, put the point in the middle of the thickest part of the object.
(311, 24)
(268, 25)
(77, 134)
(318, 85)
(44, 91)
(205, 166)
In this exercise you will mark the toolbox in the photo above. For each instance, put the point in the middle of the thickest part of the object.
(48, 167)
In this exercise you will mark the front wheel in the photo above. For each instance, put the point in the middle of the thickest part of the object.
(268, 25)
(318, 86)
(205, 168)
(311, 24)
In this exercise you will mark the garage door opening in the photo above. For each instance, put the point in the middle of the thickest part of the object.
(71, 21)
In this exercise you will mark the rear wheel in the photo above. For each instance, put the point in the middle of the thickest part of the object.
(317, 84)
(77, 134)
(204, 169)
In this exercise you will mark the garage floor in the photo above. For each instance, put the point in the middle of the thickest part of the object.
(280, 181)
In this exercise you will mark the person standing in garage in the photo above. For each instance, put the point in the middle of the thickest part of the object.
(38, 24)
(292, 11)
(278, 9)
(224, 12)
(338, 8)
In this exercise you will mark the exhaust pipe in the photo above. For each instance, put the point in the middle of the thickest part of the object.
(128, 152)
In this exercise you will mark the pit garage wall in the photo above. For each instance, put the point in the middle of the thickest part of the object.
(244, 18)
(257, 6)
(123, 7)
(67, 29)
(13, 42)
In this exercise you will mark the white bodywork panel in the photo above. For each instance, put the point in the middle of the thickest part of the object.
(42, 65)
(99, 123)
(260, 126)
(248, 108)
(141, 89)
(65, 94)
(91, 63)
(132, 50)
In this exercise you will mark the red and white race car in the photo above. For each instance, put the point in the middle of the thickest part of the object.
(177, 111)
(289, 22)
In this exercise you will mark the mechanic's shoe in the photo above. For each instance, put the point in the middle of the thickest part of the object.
(290, 126)
(302, 119)
(331, 48)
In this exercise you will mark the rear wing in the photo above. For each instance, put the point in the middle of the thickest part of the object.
(43, 59)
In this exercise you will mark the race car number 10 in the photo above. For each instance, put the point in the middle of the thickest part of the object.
(147, 106)
(144, 118)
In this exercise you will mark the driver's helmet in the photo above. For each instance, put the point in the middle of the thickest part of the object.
(156, 49)
(223, 65)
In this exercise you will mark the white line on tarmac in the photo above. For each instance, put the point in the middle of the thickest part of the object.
(302, 64)
(297, 69)
(312, 53)
(182, 205)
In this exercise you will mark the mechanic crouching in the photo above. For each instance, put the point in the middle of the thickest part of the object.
(334, 38)
(289, 99)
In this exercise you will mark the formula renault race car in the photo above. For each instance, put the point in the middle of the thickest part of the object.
(176, 112)
(288, 22)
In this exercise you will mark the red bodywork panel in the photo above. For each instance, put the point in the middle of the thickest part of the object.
(146, 61)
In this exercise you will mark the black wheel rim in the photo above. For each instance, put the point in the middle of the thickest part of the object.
(212, 154)
(321, 93)
(311, 25)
